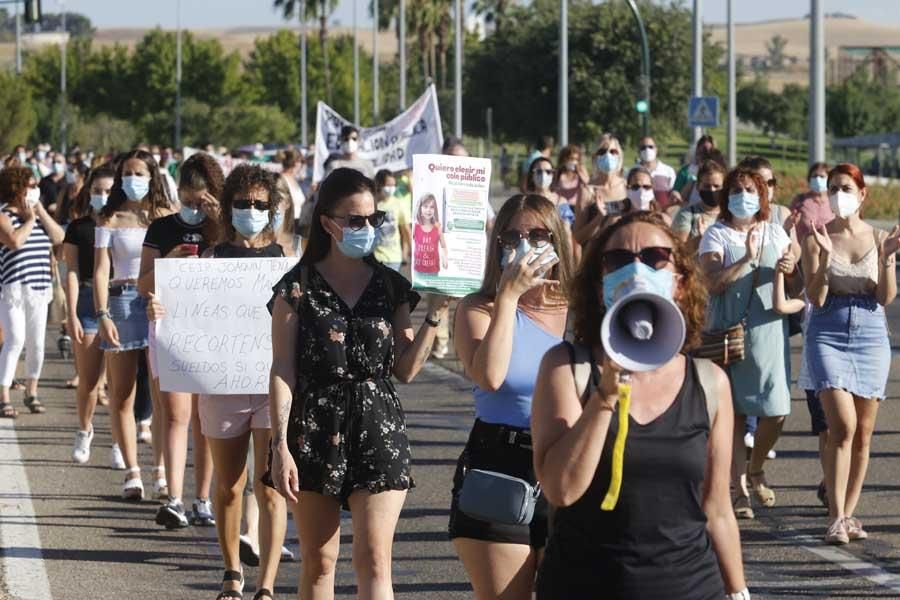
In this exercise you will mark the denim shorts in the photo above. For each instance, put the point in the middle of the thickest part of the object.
(84, 310)
(847, 346)
(128, 310)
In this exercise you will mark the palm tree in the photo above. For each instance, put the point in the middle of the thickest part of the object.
(493, 11)
(314, 9)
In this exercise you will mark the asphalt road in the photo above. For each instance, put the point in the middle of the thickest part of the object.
(68, 536)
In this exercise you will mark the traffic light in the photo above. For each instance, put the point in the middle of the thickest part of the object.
(642, 106)
(32, 11)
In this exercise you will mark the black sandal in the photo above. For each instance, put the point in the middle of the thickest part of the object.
(263, 593)
(34, 405)
(8, 411)
(238, 593)
(17, 385)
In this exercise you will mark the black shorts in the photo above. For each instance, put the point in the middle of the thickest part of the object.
(489, 448)
(816, 412)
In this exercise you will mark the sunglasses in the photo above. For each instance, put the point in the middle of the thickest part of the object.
(245, 203)
(603, 151)
(635, 186)
(537, 237)
(772, 182)
(357, 222)
(544, 171)
(646, 147)
(655, 257)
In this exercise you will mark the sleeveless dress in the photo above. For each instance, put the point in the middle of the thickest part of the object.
(347, 430)
(847, 345)
(654, 544)
(427, 256)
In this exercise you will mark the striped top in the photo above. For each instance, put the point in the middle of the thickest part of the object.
(30, 264)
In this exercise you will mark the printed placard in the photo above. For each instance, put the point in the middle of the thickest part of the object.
(449, 219)
(216, 337)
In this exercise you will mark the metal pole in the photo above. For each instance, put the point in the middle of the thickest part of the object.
(402, 41)
(303, 105)
(732, 94)
(375, 65)
(645, 67)
(458, 51)
(178, 75)
(816, 150)
(698, 59)
(18, 41)
(489, 123)
(63, 145)
(355, 65)
(563, 72)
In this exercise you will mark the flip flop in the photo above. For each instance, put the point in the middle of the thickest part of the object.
(34, 405)
(8, 411)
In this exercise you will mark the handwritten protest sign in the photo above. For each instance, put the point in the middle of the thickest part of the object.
(216, 337)
(449, 220)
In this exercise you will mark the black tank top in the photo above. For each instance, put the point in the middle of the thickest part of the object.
(654, 544)
(227, 250)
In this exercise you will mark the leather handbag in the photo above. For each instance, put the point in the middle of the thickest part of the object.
(498, 497)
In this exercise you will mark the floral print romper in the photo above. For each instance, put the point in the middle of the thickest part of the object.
(347, 430)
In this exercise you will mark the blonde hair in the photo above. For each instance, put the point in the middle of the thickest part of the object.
(608, 140)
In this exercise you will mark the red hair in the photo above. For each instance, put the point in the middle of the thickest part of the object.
(851, 171)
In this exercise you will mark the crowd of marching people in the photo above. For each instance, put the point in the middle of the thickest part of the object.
(745, 272)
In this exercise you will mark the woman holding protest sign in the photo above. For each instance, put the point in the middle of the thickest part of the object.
(184, 234)
(232, 422)
(138, 196)
(501, 333)
(340, 328)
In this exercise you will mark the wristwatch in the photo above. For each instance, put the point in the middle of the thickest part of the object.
(744, 594)
(432, 322)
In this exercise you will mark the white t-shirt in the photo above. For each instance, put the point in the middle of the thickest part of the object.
(663, 177)
(721, 235)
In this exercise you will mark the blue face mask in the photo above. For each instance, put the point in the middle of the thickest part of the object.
(249, 222)
(607, 162)
(277, 221)
(98, 201)
(634, 277)
(818, 183)
(135, 187)
(743, 205)
(191, 216)
(544, 253)
(357, 244)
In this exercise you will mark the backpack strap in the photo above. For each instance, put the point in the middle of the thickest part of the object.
(706, 374)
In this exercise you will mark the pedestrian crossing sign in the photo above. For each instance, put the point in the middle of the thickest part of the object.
(703, 111)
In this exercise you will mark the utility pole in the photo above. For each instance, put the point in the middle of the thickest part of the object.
(355, 65)
(375, 65)
(303, 105)
(178, 75)
(563, 72)
(458, 51)
(698, 60)
(816, 150)
(402, 41)
(18, 41)
(63, 145)
(732, 93)
(643, 105)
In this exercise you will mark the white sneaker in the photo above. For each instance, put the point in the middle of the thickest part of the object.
(116, 460)
(771, 454)
(748, 440)
(81, 453)
(144, 435)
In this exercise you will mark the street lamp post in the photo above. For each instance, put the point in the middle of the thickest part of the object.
(63, 146)
(178, 75)
(18, 41)
(563, 72)
(645, 70)
(375, 64)
(457, 120)
(698, 59)
(355, 65)
(816, 149)
(402, 41)
(303, 105)
(732, 93)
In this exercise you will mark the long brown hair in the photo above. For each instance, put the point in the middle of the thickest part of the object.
(734, 178)
(549, 216)
(587, 308)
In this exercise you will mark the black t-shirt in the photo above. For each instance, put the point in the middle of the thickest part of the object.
(227, 250)
(166, 233)
(50, 189)
(80, 233)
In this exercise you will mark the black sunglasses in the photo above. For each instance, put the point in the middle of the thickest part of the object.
(652, 256)
(357, 222)
(544, 171)
(772, 182)
(646, 147)
(245, 203)
(537, 237)
(635, 186)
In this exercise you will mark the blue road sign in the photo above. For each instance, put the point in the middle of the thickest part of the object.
(703, 111)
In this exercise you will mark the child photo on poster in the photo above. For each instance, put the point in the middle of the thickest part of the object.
(430, 246)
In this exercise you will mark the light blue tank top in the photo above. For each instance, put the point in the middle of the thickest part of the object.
(511, 404)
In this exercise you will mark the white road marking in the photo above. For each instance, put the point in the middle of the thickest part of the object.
(23, 563)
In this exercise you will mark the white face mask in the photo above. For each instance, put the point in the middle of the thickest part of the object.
(844, 204)
(350, 146)
(640, 198)
(389, 190)
(542, 180)
(32, 196)
(648, 155)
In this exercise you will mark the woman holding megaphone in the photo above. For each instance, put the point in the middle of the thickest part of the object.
(669, 531)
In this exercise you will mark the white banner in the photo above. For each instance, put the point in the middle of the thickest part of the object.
(228, 163)
(449, 219)
(390, 146)
(216, 337)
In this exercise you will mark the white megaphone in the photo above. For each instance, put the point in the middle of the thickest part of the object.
(642, 330)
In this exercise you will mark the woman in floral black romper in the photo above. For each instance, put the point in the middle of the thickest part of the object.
(340, 328)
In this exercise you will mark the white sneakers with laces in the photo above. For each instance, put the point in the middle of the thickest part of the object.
(81, 453)
(116, 460)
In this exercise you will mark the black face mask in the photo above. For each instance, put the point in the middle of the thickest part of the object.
(710, 198)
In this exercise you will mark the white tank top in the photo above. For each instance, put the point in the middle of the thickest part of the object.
(125, 244)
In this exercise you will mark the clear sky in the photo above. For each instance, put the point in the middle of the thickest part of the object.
(198, 14)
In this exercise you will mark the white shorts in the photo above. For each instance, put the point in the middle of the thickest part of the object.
(230, 416)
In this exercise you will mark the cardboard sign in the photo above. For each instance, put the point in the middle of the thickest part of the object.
(216, 337)
(449, 220)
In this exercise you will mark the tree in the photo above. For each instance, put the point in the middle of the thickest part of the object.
(493, 11)
(236, 125)
(320, 9)
(775, 48)
(17, 115)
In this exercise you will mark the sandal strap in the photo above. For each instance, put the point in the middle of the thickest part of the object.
(232, 576)
(230, 594)
(263, 592)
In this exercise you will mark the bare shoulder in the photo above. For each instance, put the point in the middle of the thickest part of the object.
(476, 303)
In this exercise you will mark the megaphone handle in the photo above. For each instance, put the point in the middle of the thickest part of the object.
(618, 455)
